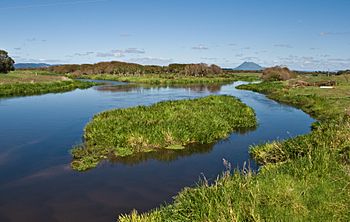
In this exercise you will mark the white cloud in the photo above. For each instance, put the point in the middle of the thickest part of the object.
(283, 46)
(151, 61)
(200, 47)
(130, 51)
(334, 33)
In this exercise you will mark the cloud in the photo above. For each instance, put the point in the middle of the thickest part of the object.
(240, 55)
(232, 44)
(130, 51)
(325, 55)
(120, 53)
(151, 61)
(209, 58)
(108, 54)
(333, 33)
(18, 48)
(35, 40)
(250, 58)
(83, 54)
(339, 60)
(322, 62)
(51, 61)
(31, 40)
(200, 47)
(283, 46)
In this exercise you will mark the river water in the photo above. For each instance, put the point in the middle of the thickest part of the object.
(37, 132)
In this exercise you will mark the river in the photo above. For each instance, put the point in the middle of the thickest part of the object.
(37, 132)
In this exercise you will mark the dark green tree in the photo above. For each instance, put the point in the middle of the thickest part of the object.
(6, 62)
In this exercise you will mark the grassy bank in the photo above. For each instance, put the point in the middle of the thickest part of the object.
(165, 125)
(25, 83)
(320, 103)
(169, 79)
(302, 179)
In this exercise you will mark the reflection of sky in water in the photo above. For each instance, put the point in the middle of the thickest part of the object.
(37, 132)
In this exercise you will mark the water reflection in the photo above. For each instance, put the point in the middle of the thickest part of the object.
(139, 87)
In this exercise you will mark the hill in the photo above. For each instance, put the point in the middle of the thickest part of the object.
(249, 66)
(31, 65)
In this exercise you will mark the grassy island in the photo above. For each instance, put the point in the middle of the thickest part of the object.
(302, 179)
(32, 82)
(165, 125)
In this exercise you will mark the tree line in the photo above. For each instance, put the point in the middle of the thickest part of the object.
(127, 69)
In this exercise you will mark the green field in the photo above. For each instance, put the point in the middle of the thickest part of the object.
(165, 125)
(169, 79)
(25, 83)
(302, 179)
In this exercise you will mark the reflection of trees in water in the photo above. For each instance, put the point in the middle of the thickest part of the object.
(213, 88)
(166, 155)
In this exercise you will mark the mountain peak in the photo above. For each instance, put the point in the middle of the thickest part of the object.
(249, 66)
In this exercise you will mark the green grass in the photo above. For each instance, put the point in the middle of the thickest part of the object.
(302, 179)
(312, 187)
(320, 103)
(25, 83)
(169, 79)
(165, 125)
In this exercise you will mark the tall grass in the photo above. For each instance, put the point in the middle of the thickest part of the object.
(312, 187)
(165, 125)
(301, 179)
(33, 82)
(27, 89)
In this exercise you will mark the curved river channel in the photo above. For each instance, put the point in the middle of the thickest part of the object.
(37, 132)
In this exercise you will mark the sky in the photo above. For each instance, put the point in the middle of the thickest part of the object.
(300, 34)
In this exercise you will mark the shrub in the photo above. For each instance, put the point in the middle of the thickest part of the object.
(277, 73)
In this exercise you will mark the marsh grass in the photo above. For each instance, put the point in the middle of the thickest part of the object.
(301, 179)
(312, 187)
(165, 125)
(26, 83)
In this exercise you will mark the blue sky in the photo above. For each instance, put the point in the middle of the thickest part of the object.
(304, 35)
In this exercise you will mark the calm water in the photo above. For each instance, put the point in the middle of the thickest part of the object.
(36, 134)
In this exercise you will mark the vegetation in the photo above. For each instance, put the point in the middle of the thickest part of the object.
(301, 179)
(171, 79)
(132, 69)
(277, 73)
(6, 62)
(165, 125)
(165, 75)
(25, 83)
(320, 103)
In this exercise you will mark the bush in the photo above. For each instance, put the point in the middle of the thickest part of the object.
(6, 62)
(277, 73)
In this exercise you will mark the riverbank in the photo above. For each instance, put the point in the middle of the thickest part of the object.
(171, 79)
(26, 83)
(303, 178)
(165, 125)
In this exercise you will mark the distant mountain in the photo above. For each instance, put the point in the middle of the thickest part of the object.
(249, 66)
(31, 65)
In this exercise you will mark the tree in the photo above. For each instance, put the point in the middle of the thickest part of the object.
(6, 62)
